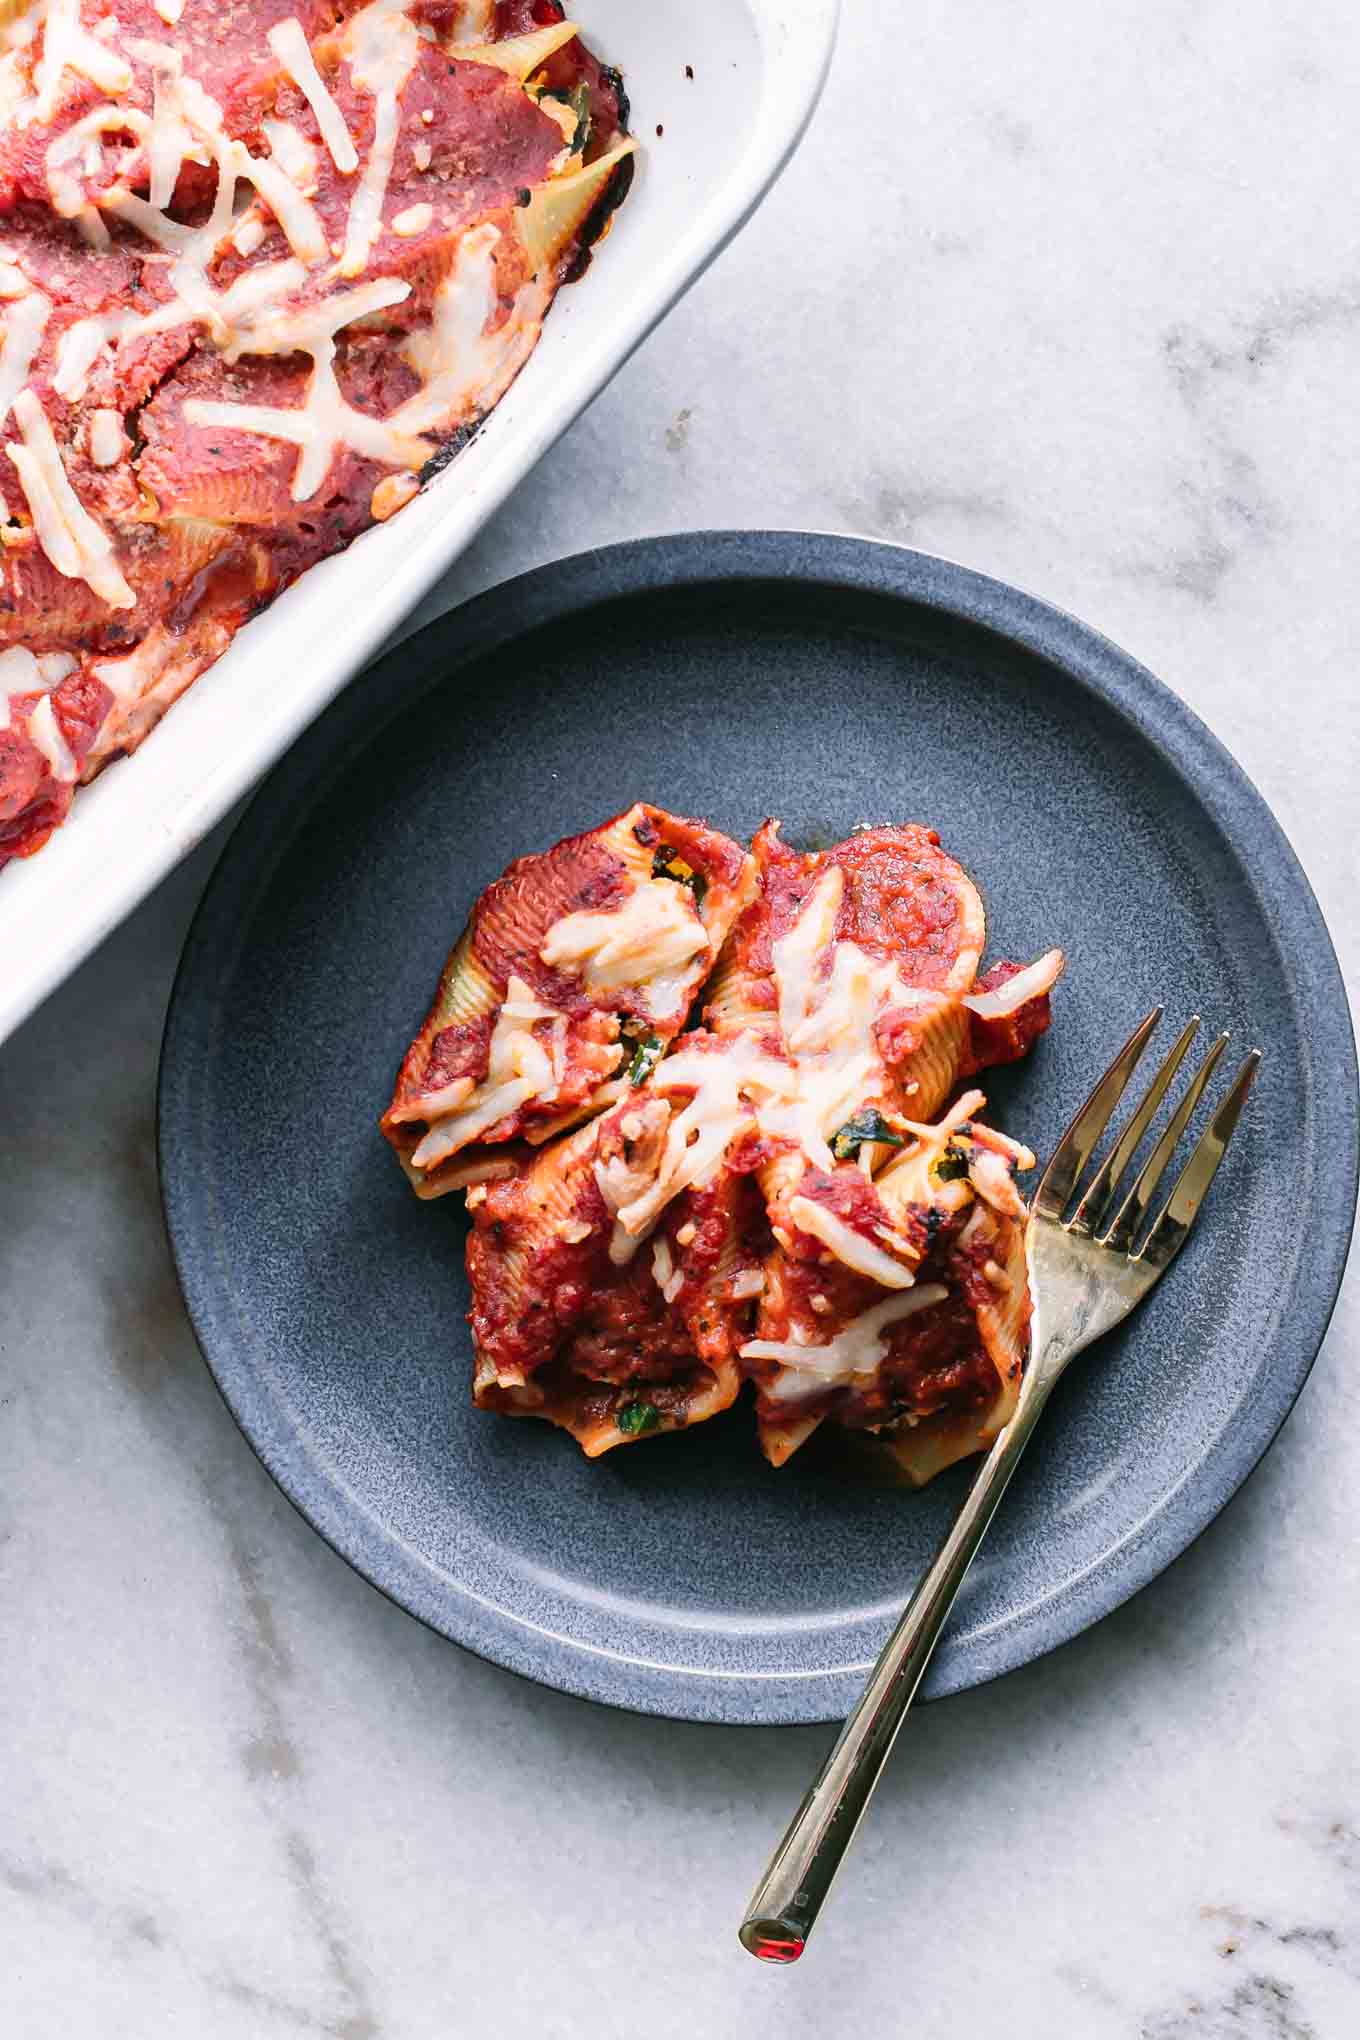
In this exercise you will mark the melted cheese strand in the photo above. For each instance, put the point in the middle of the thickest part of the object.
(463, 366)
(849, 1246)
(24, 325)
(45, 731)
(1029, 983)
(828, 1021)
(169, 140)
(647, 942)
(128, 678)
(81, 143)
(299, 219)
(294, 154)
(796, 954)
(325, 407)
(320, 426)
(518, 1068)
(857, 1351)
(67, 47)
(385, 49)
(255, 291)
(55, 540)
(77, 545)
(186, 116)
(724, 1082)
(106, 438)
(166, 233)
(18, 675)
(365, 213)
(473, 23)
(81, 345)
(285, 332)
(289, 44)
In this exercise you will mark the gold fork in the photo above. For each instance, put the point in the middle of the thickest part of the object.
(1086, 1273)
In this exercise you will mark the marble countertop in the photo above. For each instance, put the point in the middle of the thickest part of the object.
(1104, 340)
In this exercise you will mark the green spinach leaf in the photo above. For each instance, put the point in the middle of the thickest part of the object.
(868, 1125)
(636, 1417)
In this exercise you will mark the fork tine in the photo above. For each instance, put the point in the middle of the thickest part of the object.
(1123, 1227)
(1075, 1148)
(1112, 1168)
(1169, 1233)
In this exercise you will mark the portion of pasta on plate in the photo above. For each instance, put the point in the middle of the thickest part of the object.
(714, 1114)
(263, 268)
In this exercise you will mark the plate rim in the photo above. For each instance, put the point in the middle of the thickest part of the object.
(666, 563)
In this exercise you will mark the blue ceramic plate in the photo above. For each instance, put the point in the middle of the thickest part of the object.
(733, 675)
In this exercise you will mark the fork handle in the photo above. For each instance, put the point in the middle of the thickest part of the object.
(786, 1902)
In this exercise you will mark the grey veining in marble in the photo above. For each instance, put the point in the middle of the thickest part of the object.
(1107, 315)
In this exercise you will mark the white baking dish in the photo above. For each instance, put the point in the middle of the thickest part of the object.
(758, 68)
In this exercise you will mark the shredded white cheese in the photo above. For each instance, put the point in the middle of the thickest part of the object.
(274, 329)
(518, 1068)
(169, 139)
(74, 541)
(295, 214)
(910, 1180)
(45, 731)
(53, 668)
(726, 1083)
(849, 1246)
(24, 325)
(80, 145)
(648, 942)
(384, 50)
(289, 44)
(855, 1354)
(990, 1176)
(320, 426)
(669, 1280)
(1027, 984)
(797, 954)
(129, 678)
(67, 47)
(18, 674)
(248, 235)
(412, 221)
(453, 359)
(827, 1018)
(107, 439)
(294, 154)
